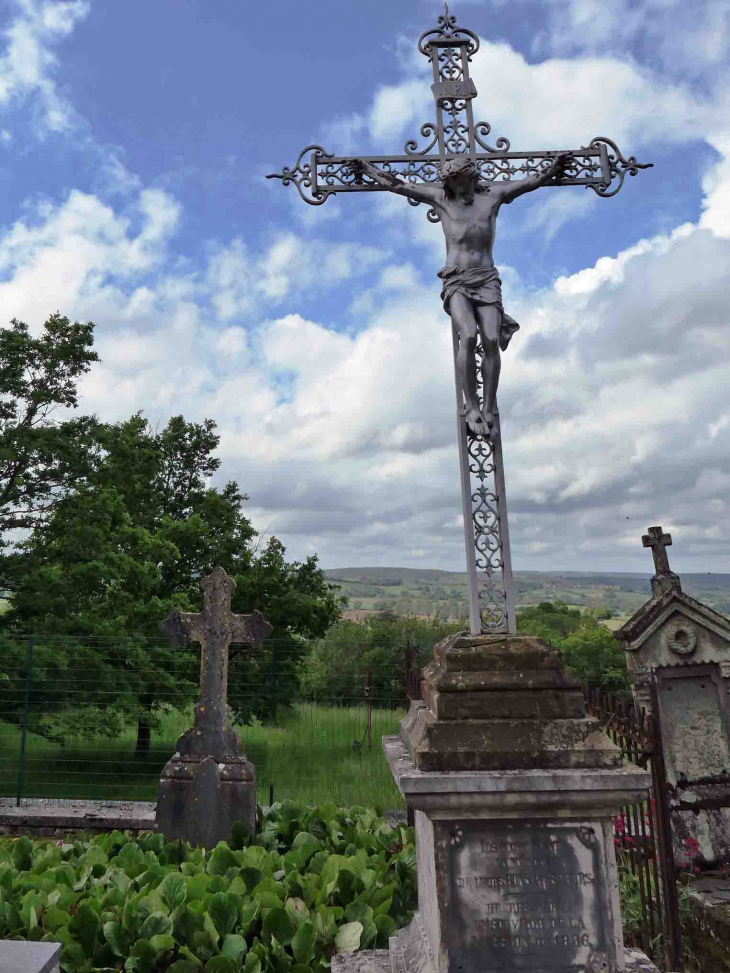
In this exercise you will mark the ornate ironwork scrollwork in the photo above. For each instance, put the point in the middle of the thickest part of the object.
(488, 550)
(447, 30)
(618, 166)
(304, 175)
(482, 130)
(428, 130)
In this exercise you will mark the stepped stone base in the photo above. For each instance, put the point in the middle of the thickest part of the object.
(514, 789)
(498, 702)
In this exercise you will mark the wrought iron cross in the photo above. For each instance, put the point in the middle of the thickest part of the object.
(318, 174)
(215, 628)
(658, 541)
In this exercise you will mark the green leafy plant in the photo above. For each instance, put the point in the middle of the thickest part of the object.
(312, 882)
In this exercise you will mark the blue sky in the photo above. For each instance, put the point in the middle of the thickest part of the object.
(134, 141)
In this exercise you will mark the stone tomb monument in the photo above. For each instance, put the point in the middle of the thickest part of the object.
(514, 790)
(678, 657)
(209, 784)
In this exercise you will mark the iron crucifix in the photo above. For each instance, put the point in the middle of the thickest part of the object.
(464, 181)
(215, 628)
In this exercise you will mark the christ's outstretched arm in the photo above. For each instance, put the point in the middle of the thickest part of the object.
(514, 189)
(418, 191)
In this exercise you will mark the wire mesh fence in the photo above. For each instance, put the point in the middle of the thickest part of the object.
(97, 719)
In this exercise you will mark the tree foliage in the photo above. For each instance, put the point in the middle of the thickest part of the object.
(335, 668)
(590, 650)
(132, 542)
(41, 459)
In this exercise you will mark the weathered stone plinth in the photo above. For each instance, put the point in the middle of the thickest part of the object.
(199, 799)
(502, 702)
(514, 791)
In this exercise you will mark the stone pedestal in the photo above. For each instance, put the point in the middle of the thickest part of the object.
(514, 791)
(516, 868)
(200, 798)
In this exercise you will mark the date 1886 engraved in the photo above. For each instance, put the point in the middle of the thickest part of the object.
(525, 897)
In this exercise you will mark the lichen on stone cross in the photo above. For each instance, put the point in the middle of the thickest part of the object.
(658, 541)
(216, 627)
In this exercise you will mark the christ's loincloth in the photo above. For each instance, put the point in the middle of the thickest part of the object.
(481, 286)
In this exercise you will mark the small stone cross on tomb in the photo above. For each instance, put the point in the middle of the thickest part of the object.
(664, 579)
(215, 628)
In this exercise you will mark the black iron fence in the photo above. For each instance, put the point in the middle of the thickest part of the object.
(642, 832)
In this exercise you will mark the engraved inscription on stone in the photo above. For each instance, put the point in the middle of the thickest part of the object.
(522, 896)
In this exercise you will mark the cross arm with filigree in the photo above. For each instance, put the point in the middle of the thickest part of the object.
(318, 174)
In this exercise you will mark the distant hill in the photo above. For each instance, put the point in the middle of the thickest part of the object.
(430, 591)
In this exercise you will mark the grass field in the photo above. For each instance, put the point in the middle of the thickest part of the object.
(308, 757)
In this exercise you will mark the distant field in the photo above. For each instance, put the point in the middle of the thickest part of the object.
(309, 758)
(431, 591)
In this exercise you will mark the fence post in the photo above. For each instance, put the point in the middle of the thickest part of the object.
(24, 733)
(272, 684)
(369, 698)
(409, 665)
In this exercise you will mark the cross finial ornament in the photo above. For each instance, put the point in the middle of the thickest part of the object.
(215, 628)
(664, 579)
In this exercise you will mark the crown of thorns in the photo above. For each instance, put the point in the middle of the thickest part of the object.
(455, 167)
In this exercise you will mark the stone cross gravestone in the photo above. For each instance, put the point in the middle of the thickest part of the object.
(678, 659)
(209, 784)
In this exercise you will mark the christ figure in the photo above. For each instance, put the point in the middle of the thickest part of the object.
(472, 290)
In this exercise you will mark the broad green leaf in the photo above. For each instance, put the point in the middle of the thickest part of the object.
(84, 926)
(95, 856)
(22, 854)
(303, 941)
(220, 860)
(297, 909)
(156, 924)
(210, 928)
(151, 902)
(120, 879)
(172, 890)
(348, 936)
(130, 918)
(185, 966)
(386, 928)
(162, 942)
(252, 963)
(197, 887)
(118, 938)
(234, 946)
(238, 886)
(251, 876)
(222, 964)
(278, 924)
(223, 910)
(54, 918)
